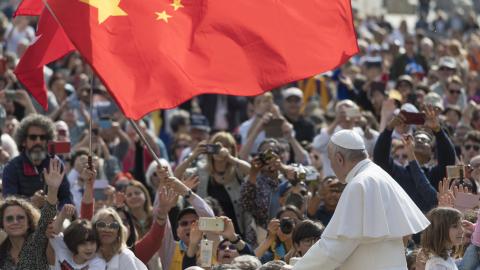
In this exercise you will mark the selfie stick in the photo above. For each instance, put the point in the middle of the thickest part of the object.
(150, 149)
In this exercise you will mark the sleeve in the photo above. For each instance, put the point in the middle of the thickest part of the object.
(64, 195)
(423, 186)
(86, 210)
(9, 180)
(327, 254)
(248, 193)
(97, 264)
(447, 157)
(320, 141)
(201, 207)
(435, 266)
(167, 248)
(57, 243)
(470, 259)
(146, 247)
(247, 250)
(382, 149)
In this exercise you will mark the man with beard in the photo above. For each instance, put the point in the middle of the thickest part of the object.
(22, 176)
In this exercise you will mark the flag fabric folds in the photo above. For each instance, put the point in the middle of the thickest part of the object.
(156, 55)
(51, 44)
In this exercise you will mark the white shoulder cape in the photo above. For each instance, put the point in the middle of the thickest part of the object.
(373, 205)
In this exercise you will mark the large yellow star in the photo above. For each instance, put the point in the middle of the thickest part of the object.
(163, 16)
(106, 8)
(176, 4)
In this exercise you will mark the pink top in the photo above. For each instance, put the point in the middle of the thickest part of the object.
(476, 233)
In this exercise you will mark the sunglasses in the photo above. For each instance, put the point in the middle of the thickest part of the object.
(455, 92)
(103, 225)
(18, 218)
(185, 223)
(224, 247)
(34, 137)
(470, 146)
(446, 69)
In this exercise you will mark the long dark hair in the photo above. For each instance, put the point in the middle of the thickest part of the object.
(132, 236)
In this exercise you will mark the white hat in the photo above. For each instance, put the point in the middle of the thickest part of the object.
(348, 139)
(447, 61)
(292, 91)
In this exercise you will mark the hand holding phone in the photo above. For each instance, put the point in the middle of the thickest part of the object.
(413, 118)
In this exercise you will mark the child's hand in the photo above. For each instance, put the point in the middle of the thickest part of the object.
(68, 211)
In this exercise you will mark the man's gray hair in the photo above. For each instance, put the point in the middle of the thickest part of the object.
(247, 262)
(225, 267)
(273, 265)
(34, 120)
(350, 154)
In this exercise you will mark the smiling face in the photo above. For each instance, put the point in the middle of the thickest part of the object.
(86, 251)
(107, 235)
(456, 234)
(135, 198)
(15, 221)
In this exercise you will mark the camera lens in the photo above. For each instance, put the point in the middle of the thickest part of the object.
(286, 225)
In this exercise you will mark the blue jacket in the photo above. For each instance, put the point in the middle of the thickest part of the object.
(21, 178)
(418, 182)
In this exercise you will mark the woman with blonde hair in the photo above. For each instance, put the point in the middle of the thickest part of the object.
(221, 177)
(112, 236)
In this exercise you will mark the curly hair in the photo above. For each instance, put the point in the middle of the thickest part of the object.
(33, 120)
(33, 214)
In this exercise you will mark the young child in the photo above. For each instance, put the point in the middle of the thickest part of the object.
(438, 240)
(76, 247)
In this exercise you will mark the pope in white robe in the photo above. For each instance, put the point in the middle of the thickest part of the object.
(372, 216)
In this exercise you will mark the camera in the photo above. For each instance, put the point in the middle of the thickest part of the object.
(213, 149)
(266, 156)
(286, 225)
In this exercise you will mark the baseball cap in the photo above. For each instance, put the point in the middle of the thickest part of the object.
(199, 121)
(447, 61)
(292, 92)
(185, 211)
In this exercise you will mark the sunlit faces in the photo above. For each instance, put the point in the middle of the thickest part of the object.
(135, 198)
(108, 230)
(226, 252)
(184, 225)
(15, 221)
(456, 234)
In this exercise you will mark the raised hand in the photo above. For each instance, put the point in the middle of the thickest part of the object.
(68, 211)
(54, 175)
(192, 181)
(167, 199)
(431, 119)
(273, 227)
(445, 195)
(409, 144)
(195, 234)
(119, 200)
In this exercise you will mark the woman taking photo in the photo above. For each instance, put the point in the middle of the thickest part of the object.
(26, 243)
(221, 176)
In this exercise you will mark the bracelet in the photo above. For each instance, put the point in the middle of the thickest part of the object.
(236, 240)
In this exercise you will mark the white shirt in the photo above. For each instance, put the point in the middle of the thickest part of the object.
(437, 263)
(64, 257)
(372, 216)
(125, 260)
(243, 131)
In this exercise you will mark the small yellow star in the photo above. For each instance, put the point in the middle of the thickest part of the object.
(163, 16)
(176, 4)
(106, 8)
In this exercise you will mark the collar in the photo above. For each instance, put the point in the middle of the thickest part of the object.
(353, 172)
(28, 168)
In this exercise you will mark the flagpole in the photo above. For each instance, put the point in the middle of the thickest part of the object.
(144, 140)
(90, 155)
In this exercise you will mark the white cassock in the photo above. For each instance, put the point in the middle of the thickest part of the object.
(366, 230)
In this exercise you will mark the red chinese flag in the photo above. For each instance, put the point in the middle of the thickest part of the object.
(29, 8)
(50, 45)
(158, 54)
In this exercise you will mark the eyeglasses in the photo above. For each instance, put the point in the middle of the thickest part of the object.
(455, 91)
(18, 218)
(34, 137)
(185, 223)
(471, 146)
(224, 247)
(404, 156)
(103, 225)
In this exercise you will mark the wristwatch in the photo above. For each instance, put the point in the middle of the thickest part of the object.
(236, 240)
(189, 193)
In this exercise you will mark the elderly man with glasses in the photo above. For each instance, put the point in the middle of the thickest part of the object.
(23, 175)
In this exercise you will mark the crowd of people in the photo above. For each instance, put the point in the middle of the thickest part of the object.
(247, 182)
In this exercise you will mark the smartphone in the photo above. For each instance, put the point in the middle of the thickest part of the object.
(213, 149)
(413, 118)
(455, 172)
(10, 95)
(352, 112)
(209, 224)
(59, 147)
(273, 129)
(105, 123)
(466, 201)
